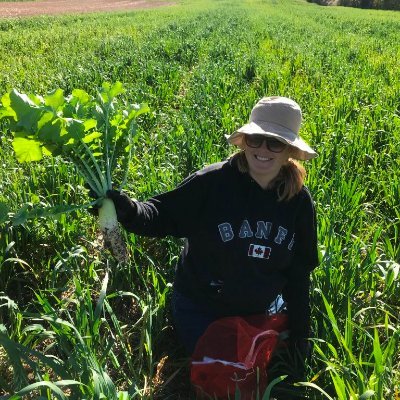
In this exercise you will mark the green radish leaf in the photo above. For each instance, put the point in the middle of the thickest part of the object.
(75, 129)
(108, 91)
(138, 110)
(92, 136)
(51, 150)
(116, 89)
(79, 95)
(98, 113)
(27, 112)
(45, 119)
(37, 99)
(28, 212)
(55, 99)
(52, 132)
(27, 150)
(5, 100)
(7, 112)
(89, 124)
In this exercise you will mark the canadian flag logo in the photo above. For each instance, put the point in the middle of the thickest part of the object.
(258, 251)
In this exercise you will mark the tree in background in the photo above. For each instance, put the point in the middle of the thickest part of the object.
(376, 4)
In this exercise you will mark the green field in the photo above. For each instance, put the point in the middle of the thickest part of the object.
(70, 315)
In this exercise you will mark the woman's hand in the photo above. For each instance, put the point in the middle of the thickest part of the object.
(124, 206)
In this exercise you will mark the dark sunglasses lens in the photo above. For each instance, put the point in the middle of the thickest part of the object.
(275, 145)
(254, 140)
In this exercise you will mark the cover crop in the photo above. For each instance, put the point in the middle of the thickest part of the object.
(94, 133)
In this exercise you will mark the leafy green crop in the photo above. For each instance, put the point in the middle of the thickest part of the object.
(91, 132)
(94, 133)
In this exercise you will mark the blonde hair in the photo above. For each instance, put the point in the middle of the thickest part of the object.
(287, 183)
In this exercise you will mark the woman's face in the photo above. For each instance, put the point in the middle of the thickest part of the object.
(265, 161)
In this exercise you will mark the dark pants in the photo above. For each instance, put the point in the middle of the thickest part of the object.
(191, 319)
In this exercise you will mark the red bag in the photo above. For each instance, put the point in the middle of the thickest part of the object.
(231, 351)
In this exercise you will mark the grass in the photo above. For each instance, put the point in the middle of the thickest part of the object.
(201, 65)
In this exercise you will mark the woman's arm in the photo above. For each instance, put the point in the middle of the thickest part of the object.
(297, 295)
(297, 290)
(174, 213)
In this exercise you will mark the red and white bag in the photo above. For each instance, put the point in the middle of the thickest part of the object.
(234, 353)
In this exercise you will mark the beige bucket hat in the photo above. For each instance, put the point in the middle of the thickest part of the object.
(277, 117)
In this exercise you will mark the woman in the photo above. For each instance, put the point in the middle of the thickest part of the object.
(249, 225)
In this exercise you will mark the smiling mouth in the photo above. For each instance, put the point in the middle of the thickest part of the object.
(260, 158)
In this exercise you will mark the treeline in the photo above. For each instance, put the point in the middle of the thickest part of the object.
(377, 4)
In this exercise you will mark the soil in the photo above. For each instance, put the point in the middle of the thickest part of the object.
(11, 9)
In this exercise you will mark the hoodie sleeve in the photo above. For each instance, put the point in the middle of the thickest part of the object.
(176, 212)
(297, 290)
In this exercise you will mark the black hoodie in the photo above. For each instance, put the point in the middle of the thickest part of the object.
(243, 247)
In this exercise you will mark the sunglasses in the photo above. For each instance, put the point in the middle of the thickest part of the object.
(256, 141)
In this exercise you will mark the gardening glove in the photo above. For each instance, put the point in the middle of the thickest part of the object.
(290, 358)
(299, 356)
(124, 206)
(301, 348)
